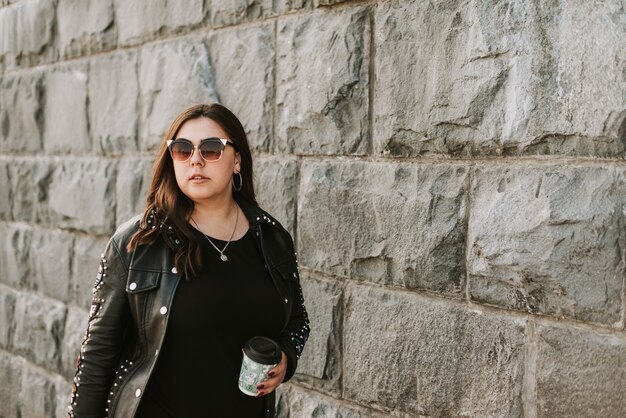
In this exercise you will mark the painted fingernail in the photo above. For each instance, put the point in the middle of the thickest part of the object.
(260, 387)
(271, 374)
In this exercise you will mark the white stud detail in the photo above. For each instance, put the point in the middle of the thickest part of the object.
(132, 286)
(174, 270)
(137, 393)
(163, 310)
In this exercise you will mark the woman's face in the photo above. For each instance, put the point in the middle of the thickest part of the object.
(204, 181)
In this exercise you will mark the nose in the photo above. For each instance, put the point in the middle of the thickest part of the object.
(196, 158)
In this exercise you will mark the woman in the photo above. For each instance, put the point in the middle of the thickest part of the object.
(181, 288)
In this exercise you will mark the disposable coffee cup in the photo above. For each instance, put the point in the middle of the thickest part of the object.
(260, 355)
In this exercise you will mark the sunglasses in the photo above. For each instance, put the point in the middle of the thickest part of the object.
(210, 149)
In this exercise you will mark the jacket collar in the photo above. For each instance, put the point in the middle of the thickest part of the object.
(254, 214)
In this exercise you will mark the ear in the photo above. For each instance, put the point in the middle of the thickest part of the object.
(237, 162)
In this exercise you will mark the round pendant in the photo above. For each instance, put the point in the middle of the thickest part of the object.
(223, 257)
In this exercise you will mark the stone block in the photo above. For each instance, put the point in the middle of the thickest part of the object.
(545, 238)
(293, 401)
(38, 395)
(85, 261)
(75, 326)
(430, 357)
(132, 186)
(30, 179)
(172, 77)
(39, 327)
(401, 224)
(142, 20)
(231, 12)
(293, 5)
(276, 187)
(50, 256)
(24, 47)
(82, 197)
(321, 357)
(242, 60)
(85, 27)
(62, 396)
(327, 56)
(65, 111)
(11, 370)
(7, 317)
(113, 103)
(580, 373)
(21, 121)
(5, 190)
(14, 254)
(500, 78)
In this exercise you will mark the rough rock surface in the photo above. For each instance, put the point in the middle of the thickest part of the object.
(85, 26)
(406, 228)
(580, 373)
(539, 233)
(452, 173)
(491, 78)
(431, 358)
(332, 117)
(113, 101)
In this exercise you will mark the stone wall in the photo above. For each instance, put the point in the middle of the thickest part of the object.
(452, 171)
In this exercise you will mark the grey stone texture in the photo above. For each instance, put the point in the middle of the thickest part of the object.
(85, 26)
(400, 224)
(11, 368)
(429, 357)
(142, 20)
(452, 174)
(321, 358)
(296, 402)
(65, 112)
(243, 65)
(82, 195)
(74, 327)
(230, 12)
(14, 256)
(162, 92)
(580, 373)
(84, 268)
(500, 77)
(29, 180)
(50, 254)
(279, 200)
(132, 183)
(113, 103)
(39, 328)
(5, 190)
(543, 238)
(327, 55)
(7, 310)
(20, 47)
(21, 113)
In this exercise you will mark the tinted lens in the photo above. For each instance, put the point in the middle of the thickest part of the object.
(181, 150)
(211, 149)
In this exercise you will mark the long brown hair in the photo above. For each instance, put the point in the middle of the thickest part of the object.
(168, 210)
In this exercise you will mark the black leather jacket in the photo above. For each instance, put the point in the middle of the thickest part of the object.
(128, 318)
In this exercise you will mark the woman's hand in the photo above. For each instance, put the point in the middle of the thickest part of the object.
(276, 376)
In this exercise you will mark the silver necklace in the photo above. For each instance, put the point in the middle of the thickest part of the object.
(223, 256)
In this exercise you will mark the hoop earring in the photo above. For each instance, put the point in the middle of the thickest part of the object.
(240, 182)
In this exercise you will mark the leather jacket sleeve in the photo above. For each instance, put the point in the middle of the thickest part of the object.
(293, 338)
(109, 318)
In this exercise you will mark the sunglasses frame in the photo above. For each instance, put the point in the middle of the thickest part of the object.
(224, 142)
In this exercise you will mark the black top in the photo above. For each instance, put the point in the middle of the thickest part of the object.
(211, 318)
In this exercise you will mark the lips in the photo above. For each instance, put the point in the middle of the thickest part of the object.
(197, 177)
